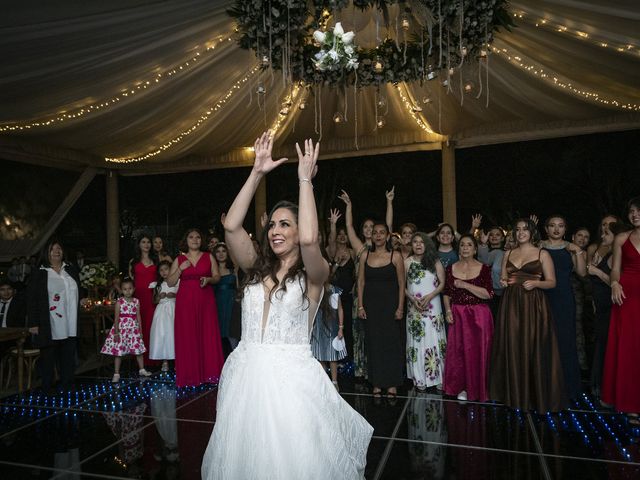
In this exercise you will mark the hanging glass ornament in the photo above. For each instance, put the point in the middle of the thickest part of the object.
(261, 90)
(338, 117)
(426, 100)
(381, 102)
(405, 22)
(378, 65)
(302, 105)
(265, 61)
(380, 122)
(431, 73)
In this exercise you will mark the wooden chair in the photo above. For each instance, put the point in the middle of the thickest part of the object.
(31, 356)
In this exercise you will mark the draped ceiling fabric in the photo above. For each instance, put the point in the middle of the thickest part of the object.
(567, 68)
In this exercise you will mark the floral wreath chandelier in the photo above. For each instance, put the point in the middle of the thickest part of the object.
(429, 37)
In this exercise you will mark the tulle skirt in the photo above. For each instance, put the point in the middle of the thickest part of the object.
(280, 417)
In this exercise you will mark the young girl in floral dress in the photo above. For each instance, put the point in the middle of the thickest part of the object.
(125, 337)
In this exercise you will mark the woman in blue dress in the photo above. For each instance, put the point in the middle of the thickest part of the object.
(567, 257)
(225, 289)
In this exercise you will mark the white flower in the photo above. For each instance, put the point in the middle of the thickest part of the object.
(348, 50)
(319, 36)
(320, 55)
(352, 64)
(333, 55)
(347, 38)
(337, 30)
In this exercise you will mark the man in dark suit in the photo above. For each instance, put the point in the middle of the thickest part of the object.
(13, 311)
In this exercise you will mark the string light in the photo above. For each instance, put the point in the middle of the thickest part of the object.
(290, 103)
(151, 81)
(556, 80)
(411, 110)
(203, 118)
(581, 34)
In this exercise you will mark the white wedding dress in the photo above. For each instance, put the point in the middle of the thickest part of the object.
(278, 415)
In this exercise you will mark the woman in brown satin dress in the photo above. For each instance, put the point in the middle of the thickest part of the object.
(526, 372)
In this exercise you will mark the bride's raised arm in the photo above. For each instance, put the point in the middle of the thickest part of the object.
(236, 236)
(315, 265)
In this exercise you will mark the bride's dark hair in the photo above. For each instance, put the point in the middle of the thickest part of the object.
(268, 263)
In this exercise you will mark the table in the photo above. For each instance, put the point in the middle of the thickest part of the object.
(19, 335)
(99, 316)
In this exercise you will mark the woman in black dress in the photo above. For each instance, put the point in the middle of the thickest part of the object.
(381, 283)
(599, 271)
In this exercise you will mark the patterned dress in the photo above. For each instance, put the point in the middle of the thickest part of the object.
(130, 340)
(426, 338)
(359, 350)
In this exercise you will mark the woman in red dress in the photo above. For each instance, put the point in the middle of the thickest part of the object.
(620, 384)
(198, 346)
(143, 270)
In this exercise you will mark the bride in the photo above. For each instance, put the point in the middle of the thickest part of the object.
(278, 414)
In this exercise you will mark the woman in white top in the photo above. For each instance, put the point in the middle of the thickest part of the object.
(279, 415)
(53, 315)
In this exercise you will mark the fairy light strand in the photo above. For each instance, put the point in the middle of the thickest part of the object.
(555, 79)
(410, 107)
(593, 38)
(150, 81)
(209, 112)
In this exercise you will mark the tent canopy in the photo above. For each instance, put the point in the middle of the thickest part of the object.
(163, 83)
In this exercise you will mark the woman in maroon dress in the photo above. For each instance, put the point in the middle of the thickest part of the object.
(620, 383)
(468, 289)
(143, 270)
(198, 346)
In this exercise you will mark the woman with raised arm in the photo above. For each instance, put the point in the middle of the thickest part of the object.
(342, 274)
(279, 415)
(525, 369)
(359, 245)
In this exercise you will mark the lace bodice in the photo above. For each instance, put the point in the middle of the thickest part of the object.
(165, 288)
(286, 319)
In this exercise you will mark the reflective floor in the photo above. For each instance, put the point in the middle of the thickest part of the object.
(150, 429)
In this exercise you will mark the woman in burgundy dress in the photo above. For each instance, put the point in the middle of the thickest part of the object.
(143, 270)
(620, 383)
(468, 289)
(198, 346)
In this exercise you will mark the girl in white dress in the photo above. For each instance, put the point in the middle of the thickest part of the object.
(162, 344)
(279, 416)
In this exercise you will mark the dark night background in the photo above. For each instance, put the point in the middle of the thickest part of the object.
(581, 177)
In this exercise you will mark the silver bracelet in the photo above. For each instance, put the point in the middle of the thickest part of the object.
(306, 180)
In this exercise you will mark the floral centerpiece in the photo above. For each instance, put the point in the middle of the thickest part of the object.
(95, 277)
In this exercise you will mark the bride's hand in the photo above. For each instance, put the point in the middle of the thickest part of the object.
(307, 167)
(263, 147)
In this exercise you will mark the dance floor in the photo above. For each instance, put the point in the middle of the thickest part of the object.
(148, 429)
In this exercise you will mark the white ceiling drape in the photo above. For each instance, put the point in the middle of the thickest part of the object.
(165, 81)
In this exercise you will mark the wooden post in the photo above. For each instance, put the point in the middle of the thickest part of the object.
(113, 219)
(260, 201)
(449, 183)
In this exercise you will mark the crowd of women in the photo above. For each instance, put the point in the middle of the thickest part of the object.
(493, 314)
(488, 315)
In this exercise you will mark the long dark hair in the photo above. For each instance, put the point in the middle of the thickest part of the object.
(267, 264)
(454, 243)
(184, 246)
(531, 227)
(159, 279)
(228, 262)
(387, 244)
(430, 255)
(138, 252)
